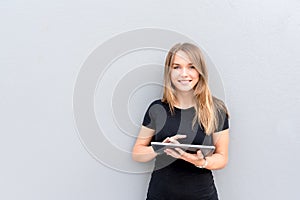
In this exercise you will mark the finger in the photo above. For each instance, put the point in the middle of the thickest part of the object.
(200, 155)
(186, 156)
(172, 153)
(179, 136)
(166, 140)
(172, 140)
(180, 151)
(166, 151)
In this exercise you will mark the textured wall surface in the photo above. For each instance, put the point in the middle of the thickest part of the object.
(253, 44)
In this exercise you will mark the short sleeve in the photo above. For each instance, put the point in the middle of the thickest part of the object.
(223, 121)
(155, 116)
(149, 119)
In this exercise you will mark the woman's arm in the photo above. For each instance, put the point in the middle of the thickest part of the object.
(142, 152)
(220, 158)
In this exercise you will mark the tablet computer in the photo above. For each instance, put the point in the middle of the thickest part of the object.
(159, 148)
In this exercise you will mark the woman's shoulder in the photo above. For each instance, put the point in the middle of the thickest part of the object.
(221, 114)
(220, 106)
(158, 102)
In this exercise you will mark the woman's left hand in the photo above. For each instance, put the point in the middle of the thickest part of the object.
(189, 157)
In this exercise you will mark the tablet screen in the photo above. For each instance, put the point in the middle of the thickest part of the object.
(159, 147)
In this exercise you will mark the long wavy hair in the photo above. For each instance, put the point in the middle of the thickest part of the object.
(209, 110)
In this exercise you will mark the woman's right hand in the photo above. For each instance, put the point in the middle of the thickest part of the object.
(174, 139)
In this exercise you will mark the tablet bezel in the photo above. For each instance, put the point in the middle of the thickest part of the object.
(206, 150)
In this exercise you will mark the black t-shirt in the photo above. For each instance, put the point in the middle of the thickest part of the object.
(159, 117)
(172, 178)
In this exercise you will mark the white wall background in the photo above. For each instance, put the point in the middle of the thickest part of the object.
(255, 45)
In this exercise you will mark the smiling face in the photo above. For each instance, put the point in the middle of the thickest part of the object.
(184, 75)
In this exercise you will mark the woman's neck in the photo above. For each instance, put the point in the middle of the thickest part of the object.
(185, 99)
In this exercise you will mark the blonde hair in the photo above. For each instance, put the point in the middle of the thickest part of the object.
(209, 109)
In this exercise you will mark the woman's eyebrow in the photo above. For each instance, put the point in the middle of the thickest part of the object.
(179, 64)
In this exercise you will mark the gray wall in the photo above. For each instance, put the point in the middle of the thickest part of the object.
(254, 45)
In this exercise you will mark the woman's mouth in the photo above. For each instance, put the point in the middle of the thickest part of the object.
(184, 82)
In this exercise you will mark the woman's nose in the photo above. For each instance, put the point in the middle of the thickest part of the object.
(184, 71)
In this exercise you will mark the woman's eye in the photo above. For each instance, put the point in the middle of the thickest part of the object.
(192, 67)
(175, 67)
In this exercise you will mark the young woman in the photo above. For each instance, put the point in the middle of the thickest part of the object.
(187, 113)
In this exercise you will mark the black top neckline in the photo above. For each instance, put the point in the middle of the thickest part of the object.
(184, 109)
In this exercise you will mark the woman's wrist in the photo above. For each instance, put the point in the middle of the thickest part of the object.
(202, 164)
